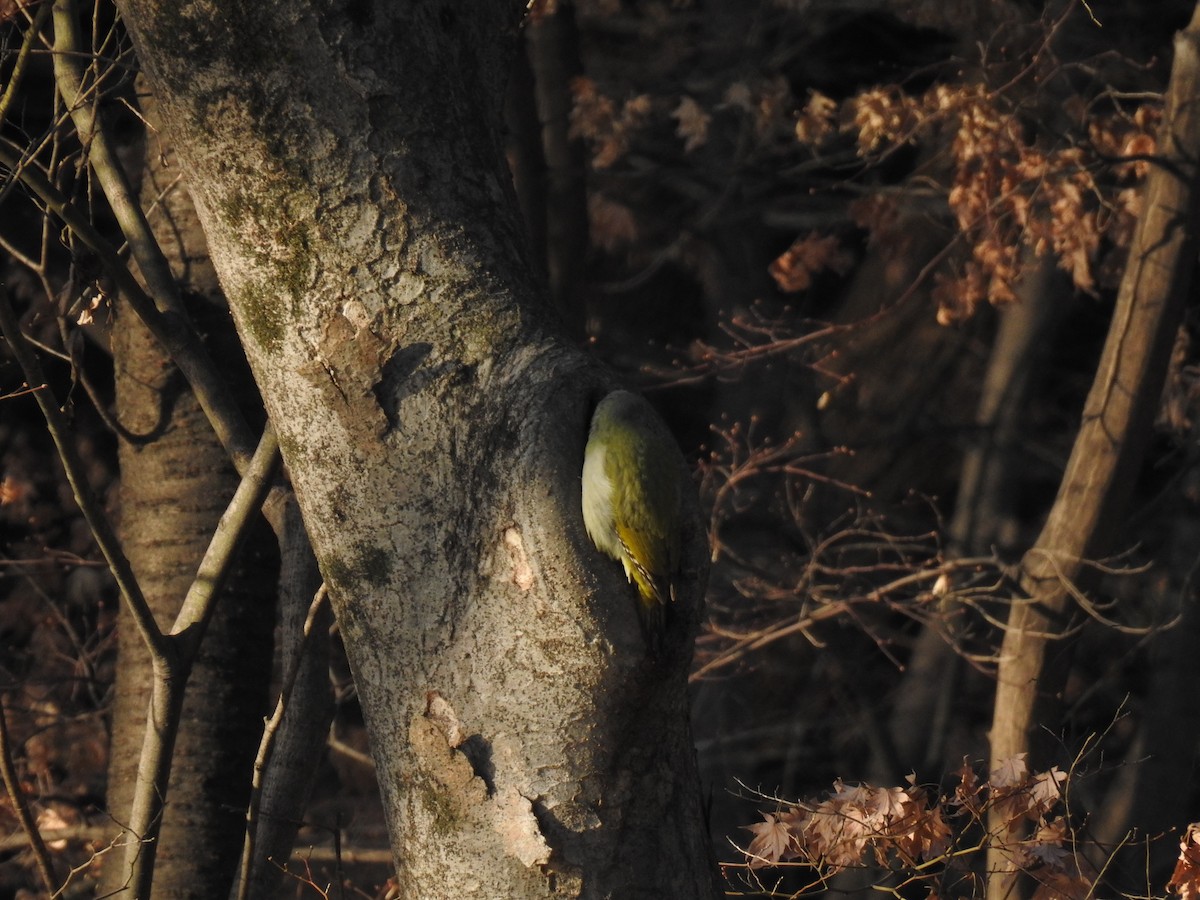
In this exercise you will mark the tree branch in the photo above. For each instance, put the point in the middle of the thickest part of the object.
(1117, 419)
(172, 668)
(171, 327)
(89, 505)
(251, 857)
(81, 98)
(16, 796)
(22, 61)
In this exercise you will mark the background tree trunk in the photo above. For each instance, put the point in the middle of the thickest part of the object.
(368, 241)
(176, 481)
(552, 49)
(1117, 419)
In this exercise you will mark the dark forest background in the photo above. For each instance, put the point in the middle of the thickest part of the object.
(863, 256)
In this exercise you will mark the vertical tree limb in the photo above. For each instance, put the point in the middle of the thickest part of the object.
(172, 669)
(79, 89)
(984, 503)
(552, 46)
(1117, 419)
(257, 875)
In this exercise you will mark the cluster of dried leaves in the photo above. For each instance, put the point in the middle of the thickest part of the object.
(808, 256)
(837, 833)
(608, 126)
(1185, 880)
(1007, 194)
(905, 829)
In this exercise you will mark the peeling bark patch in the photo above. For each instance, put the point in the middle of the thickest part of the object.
(522, 572)
(455, 790)
(439, 711)
(461, 782)
(518, 826)
(477, 750)
(450, 792)
(352, 349)
(349, 354)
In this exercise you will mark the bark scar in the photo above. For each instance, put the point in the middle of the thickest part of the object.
(461, 766)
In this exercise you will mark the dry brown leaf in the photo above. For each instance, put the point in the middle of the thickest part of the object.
(793, 270)
(611, 224)
(9, 9)
(596, 119)
(738, 96)
(1185, 880)
(817, 120)
(773, 841)
(882, 116)
(1010, 773)
(693, 123)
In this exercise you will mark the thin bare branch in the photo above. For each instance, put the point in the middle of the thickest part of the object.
(93, 511)
(22, 61)
(82, 102)
(175, 334)
(16, 796)
(267, 745)
(171, 669)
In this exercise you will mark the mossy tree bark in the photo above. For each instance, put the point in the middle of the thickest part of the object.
(346, 166)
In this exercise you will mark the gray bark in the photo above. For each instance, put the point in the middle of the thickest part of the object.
(345, 164)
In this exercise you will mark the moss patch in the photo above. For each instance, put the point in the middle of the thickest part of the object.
(364, 564)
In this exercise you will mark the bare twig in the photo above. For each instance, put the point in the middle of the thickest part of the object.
(175, 334)
(20, 806)
(73, 465)
(173, 328)
(268, 741)
(22, 61)
(78, 833)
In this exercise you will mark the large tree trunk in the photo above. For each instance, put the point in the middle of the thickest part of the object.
(346, 166)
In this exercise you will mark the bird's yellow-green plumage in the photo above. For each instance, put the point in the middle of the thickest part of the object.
(632, 475)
